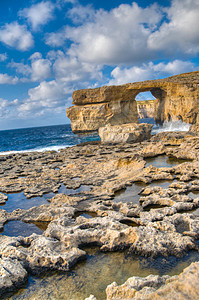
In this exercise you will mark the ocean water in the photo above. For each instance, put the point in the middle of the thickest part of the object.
(41, 139)
(60, 136)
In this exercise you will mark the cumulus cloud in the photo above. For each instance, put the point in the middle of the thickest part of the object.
(118, 36)
(38, 14)
(6, 107)
(6, 79)
(39, 68)
(180, 32)
(79, 14)
(70, 69)
(46, 96)
(149, 71)
(3, 57)
(16, 36)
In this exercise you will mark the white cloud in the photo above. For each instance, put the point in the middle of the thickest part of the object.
(181, 32)
(6, 107)
(118, 36)
(6, 79)
(70, 69)
(3, 56)
(38, 14)
(17, 36)
(80, 14)
(39, 69)
(21, 68)
(55, 39)
(45, 97)
(149, 71)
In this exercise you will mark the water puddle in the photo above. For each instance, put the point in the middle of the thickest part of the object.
(162, 183)
(100, 269)
(19, 200)
(83, 188)
(153, 206)
(86, 214)
(163, 161)
(194, 194)
(130, 194)
(20, 228)
(129, 222)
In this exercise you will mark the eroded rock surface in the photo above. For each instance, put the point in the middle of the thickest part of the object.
(80, 185)
(126, 133)
(176, 99)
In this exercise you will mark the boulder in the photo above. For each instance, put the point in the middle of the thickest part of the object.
(126, 133)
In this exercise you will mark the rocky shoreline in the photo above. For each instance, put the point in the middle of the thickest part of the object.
(80, 185)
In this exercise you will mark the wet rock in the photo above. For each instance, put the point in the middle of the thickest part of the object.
(3, 198)
(183, 286)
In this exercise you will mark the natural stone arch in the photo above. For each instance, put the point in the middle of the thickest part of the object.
(116, 105)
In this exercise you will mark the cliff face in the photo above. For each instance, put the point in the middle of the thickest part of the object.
(177, 97)
(146, 109)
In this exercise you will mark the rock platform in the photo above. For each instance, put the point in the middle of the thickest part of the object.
(165, 221)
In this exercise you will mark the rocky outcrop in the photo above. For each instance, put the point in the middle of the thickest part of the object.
(126, 133)
(146, 108)
(177, 98)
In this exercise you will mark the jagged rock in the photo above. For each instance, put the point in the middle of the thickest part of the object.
(194, 129)
(176, 99)
(12, 275)
(3, 198)
(126, 133)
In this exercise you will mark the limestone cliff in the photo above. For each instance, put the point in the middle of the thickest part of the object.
(177, 97)
(146, 109)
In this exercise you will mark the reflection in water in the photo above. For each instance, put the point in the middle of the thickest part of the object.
(20, 228)
(130, 194)
(100, 269)
(67, 191)
(163, 161)
(86, 214)
(19, 200)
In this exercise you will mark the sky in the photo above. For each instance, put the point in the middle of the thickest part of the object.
(50, 48)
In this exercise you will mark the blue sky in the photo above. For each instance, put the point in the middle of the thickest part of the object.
(48, 49)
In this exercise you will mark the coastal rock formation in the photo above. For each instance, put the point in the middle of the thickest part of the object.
(126, 133)
(76, 197)
(177, 98)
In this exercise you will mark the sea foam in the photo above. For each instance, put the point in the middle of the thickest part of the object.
(171, 126)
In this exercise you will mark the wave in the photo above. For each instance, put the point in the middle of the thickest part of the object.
(171, 126)
(43, 149)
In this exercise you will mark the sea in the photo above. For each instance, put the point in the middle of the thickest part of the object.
(56, 137)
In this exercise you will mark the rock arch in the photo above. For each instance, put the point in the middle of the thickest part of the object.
(116, 105)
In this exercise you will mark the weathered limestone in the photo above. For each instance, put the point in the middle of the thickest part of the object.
(146, 108)
(126, 133)
(163, 220)
(177, 98)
